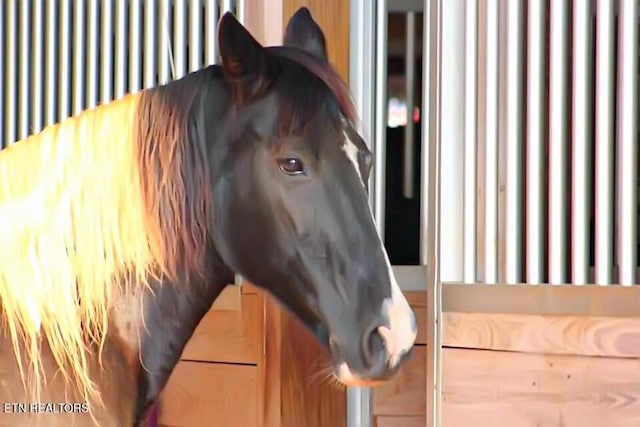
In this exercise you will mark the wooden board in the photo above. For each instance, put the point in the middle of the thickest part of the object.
(211, 394)
(232, 336)
(418, 302)
(504, 389)
(406, 393)
(400, 422)
(578, 335)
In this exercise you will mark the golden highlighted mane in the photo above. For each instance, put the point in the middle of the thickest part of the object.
(92, 206)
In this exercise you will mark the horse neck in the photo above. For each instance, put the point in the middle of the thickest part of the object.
(154, 325)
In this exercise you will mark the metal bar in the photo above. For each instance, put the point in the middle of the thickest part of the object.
(470, 138)
(428, 128)
(24, 28)
(581, 144)
(64, 65)
(164, 43)
(627, 142)
(37, 51)
(179, 40)
(511, 141)
(11, 72)
(79, 75)
(106, 53)
(432, 59)
(50, 63)
(211, 39)
(93, 76)
(488, 143)
(195, 36)
(604, 142)
(535, 200)
(240, 10)
(120, 77)
(380, 116)
(135, 53)
(410, 71)
(150, 35)
(558, 118)
(226, 7)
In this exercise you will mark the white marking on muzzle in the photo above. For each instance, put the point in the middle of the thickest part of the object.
(401, 334)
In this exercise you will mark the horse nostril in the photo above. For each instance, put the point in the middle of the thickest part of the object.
(373, 347)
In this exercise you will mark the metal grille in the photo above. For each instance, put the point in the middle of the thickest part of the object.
(59, 57)
(549, 158)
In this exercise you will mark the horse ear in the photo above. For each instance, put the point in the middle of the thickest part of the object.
(304, 33)
(242, 55)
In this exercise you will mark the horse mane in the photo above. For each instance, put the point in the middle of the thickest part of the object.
(93, 206)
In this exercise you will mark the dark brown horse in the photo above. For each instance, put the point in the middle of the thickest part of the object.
(119, 228)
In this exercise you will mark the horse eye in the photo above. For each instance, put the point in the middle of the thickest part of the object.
(291, 166)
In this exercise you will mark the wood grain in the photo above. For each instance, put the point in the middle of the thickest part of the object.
(506, 389)
(232, 336)
(400, 422)
(406, 393)
(212, 395)
(590, 336)
(333, 18)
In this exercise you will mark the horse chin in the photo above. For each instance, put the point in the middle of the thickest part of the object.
(345, 376)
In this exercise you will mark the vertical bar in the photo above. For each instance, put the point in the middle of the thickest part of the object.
(470, 137)
(428, 128)
(211, 39)
(240, 10)
(604, 142)
(10, 78)
(410, 60)
(92, 54)
(120, 77)
(179, 42)
(24, 57)
(627, 138)
(488, 144)
(558, 119)
(79, 76)
(37, 62)
(150, 35)
(511, 141)
(106, 52)
(135, 53)
(361, 84)
(433, 59)
(64, 92)
(164, 43)
(226, 7)
(380, 116)
(50, 63)
(535, 200)
(195, 36)
(581, 146)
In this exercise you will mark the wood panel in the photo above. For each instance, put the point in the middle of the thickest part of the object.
(505, 389)
(400, 422)
(578, 335)
(229, 335)
(211, 394)
(406, 393)
(333, 18)
(418, 302)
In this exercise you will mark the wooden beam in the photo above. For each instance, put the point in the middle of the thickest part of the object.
(588, 336)
(500, 389)
(568, 300)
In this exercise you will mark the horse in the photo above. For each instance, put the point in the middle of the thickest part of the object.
(120, 226)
